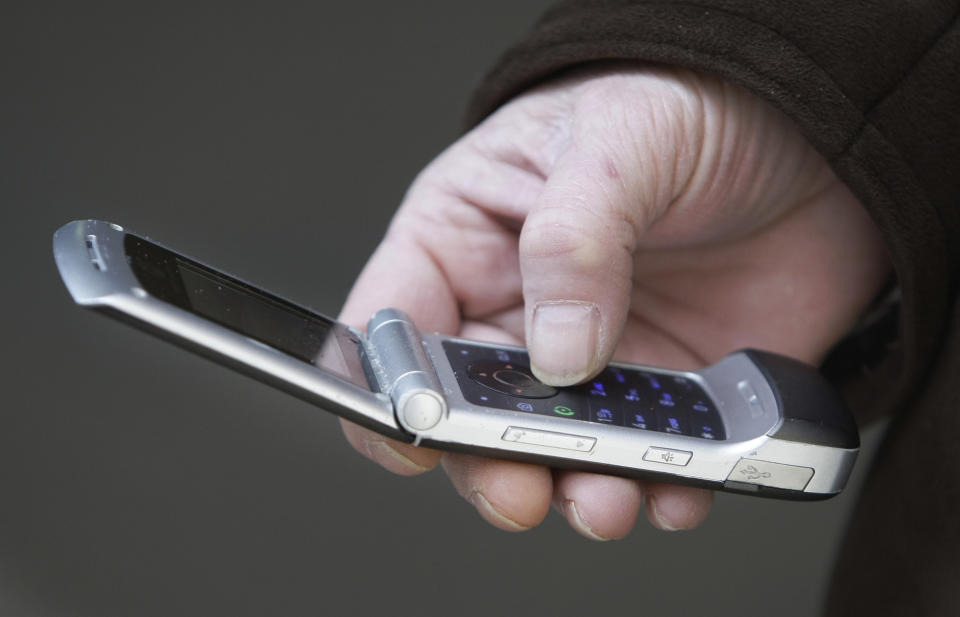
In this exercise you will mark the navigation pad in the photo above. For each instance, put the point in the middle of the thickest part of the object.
(508, 379)
(640, 399)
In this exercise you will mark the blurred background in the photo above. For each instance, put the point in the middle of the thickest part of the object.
(274, 140)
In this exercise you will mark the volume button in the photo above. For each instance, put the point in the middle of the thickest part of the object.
(667, 456)
(550, 439)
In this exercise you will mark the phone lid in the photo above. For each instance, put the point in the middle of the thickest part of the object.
(93, 264)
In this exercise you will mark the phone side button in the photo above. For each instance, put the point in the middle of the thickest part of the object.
(775, 475)
(750, 397)
(668, 456)
(551, 439)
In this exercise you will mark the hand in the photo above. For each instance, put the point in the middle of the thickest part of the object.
(647, 215)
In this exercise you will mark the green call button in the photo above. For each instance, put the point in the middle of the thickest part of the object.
(563, 410)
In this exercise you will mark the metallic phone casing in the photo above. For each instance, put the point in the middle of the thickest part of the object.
(403, 363)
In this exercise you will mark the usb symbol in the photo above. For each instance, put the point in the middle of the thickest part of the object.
(752, 473)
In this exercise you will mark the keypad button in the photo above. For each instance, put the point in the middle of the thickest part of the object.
(632, 395)
(674, 423)
(666, 399)
(565, 406)
(604, 412)
(683, 386)
(641, 419)
(706, 431)
(701, 406)
(598, 388)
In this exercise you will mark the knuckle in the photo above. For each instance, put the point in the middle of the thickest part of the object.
(578, 238)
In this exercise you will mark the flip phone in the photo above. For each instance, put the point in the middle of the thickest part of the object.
(755, 422)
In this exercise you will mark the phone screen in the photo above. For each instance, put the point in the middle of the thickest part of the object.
(252, 312)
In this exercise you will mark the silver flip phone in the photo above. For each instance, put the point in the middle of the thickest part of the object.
(754, 423)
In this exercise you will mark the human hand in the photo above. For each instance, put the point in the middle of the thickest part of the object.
(649, 215)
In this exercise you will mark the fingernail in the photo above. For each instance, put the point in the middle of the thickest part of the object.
(564, 341)
(576, 521)
(492, 514)
(382, 453)
(658, 519)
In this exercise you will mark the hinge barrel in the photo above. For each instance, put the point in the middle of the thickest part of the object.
(404, 370)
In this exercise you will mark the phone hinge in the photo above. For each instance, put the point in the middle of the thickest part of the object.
(395, 355)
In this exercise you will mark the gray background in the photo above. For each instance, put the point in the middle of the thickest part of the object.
(274, 141)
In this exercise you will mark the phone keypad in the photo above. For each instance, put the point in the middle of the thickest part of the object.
(643, 400)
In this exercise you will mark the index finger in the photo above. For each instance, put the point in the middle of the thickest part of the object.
(402, 273)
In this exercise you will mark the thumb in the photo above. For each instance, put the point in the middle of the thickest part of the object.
(576, 257)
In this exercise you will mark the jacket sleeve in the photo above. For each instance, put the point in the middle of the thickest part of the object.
(874, 85)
